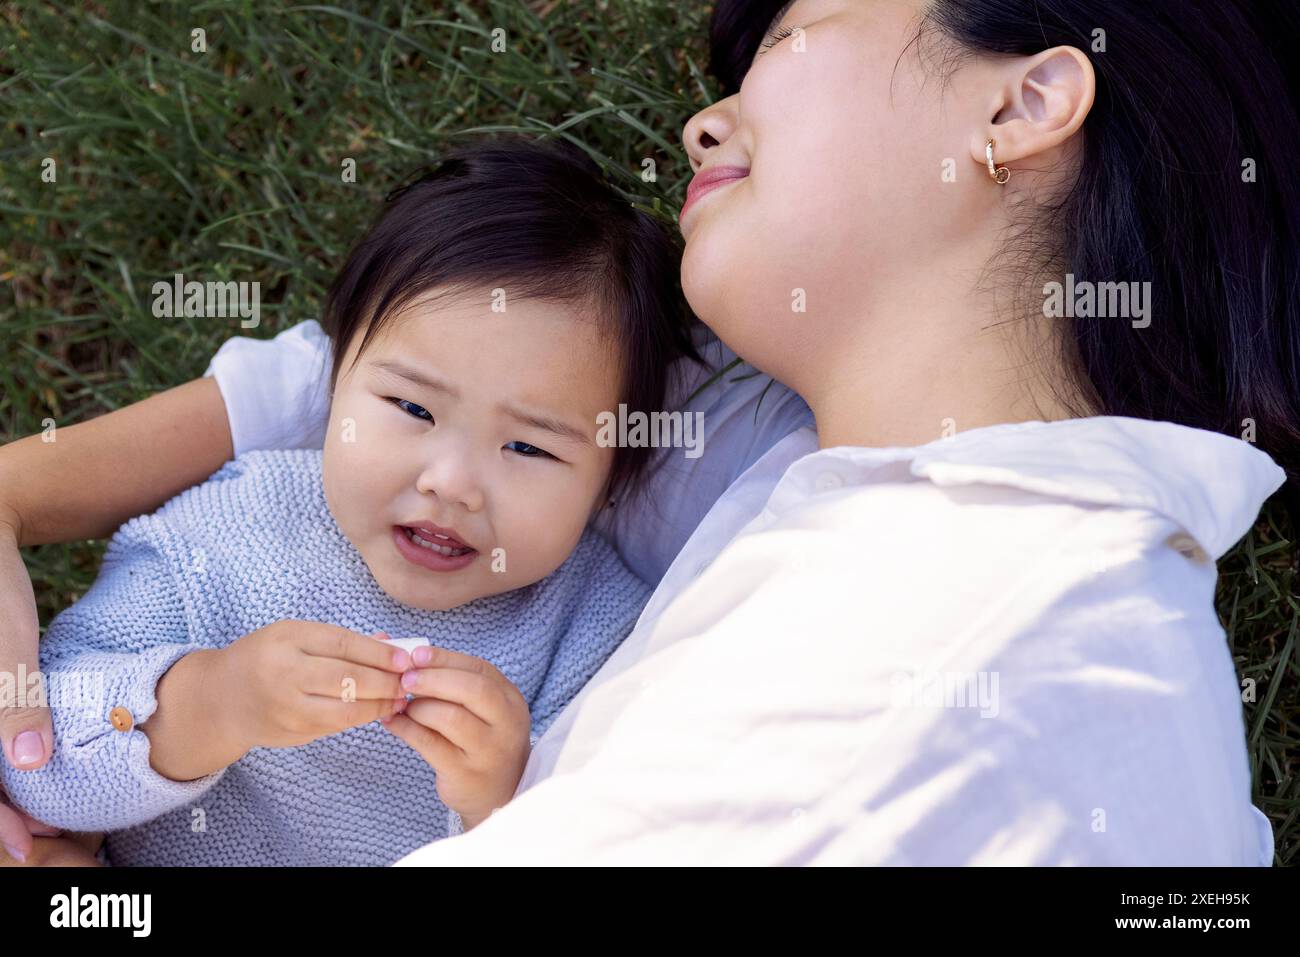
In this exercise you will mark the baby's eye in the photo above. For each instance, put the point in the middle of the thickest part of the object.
(531, 451)
(411, 408)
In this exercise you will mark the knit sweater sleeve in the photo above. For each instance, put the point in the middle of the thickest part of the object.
(104, 653)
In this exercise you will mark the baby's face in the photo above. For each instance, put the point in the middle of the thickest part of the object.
(480, 423)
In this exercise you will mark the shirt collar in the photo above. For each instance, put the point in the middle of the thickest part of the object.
(1211, 484)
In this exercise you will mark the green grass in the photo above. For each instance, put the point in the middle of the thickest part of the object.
(226, 165)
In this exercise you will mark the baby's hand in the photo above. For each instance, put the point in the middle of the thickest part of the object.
(471, 724)
(295, 681)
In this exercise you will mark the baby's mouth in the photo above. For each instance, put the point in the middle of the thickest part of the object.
(436, 543)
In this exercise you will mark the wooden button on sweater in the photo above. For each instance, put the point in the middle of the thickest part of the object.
(121, 718)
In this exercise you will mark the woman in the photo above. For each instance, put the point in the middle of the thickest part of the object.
(969, 619)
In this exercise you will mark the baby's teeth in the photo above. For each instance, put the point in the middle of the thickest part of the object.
(434, 547)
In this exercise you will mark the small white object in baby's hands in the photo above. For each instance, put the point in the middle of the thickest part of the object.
(409, 644)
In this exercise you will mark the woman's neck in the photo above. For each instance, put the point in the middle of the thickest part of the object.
(911, 373)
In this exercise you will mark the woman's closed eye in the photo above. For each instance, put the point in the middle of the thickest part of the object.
(410, 408)
(775, 38)
(533, 451)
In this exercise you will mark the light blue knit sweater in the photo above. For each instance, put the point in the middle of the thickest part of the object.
(255, 544)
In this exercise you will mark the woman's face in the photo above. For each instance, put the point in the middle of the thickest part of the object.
(480, 422)
(839, 132)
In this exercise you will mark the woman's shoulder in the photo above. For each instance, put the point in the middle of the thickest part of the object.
(1070, 648)
(1013, 532)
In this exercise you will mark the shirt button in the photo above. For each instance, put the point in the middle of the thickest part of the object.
(121, 718)
(829, 482)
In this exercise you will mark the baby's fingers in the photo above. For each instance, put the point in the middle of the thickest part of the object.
(333, 641)
(348, 681)
(488, 696)
(439, 753)
(462, 728)
(332, 715)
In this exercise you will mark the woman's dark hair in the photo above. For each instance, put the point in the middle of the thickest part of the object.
(539, 220)
(1188, 180)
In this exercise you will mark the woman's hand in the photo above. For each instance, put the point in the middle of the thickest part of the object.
(25, 727)
(471, 724)
(19, 831)
(70, 850)
(295, 681)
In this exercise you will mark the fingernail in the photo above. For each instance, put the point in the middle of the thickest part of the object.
(422, 656)
(384, 719)
(409, 679)
(28, 748)
(16, 854)
(400, 659)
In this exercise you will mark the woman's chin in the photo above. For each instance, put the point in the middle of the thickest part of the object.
(706, 280)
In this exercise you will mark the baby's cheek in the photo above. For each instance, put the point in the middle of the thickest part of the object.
(536, 546)
(330, 481)
(353, 487)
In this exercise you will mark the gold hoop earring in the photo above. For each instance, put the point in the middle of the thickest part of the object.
(999, 174)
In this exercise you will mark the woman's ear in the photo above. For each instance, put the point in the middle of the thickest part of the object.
(1038, 104)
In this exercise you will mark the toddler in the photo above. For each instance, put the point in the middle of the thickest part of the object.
(226, 693)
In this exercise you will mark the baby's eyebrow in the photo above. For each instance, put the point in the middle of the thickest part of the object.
(425, 381)
(548, 424)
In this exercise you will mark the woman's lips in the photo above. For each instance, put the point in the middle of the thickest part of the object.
(706, 182)
(427, 558)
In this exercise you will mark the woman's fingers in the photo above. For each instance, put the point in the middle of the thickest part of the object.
(28, 736)
(66, 851)
(18, 828)
(25, 729)
(14, 834)
(37, 828)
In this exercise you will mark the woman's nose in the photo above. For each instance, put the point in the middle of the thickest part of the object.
(709, 128)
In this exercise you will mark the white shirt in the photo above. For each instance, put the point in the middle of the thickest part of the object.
(779, 699)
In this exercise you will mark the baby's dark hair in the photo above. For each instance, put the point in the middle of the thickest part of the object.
(539, 220)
